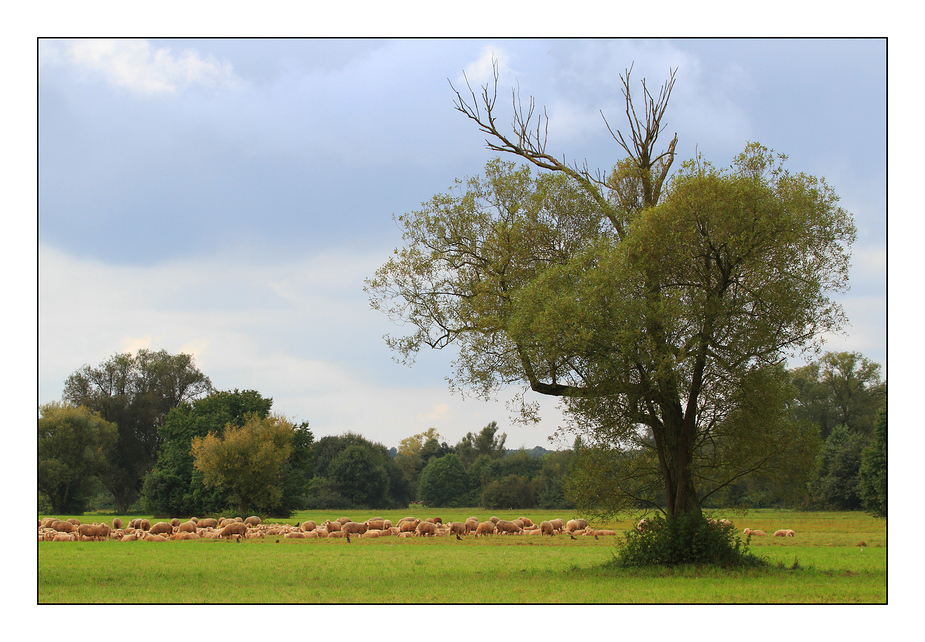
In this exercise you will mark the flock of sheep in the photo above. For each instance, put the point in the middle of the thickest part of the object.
(57, 530)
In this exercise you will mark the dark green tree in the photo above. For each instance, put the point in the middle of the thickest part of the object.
(360, 475)
(841, 388)
(73, 446)
(136, 393)
(366, 476)
(873, 470)
(444, 482)
(837, 486)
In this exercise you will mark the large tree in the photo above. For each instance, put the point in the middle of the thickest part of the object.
(136, 393)
(659, 309)
(74, 444)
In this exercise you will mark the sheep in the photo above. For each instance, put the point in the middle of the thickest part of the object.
(161, 528)
(572, 525)
(253, 520)
(557, 524)
(185, 535)
(332, 526)
(546, 528)
(526, 521)
(643, 525)
(485, 528)
(208, 522)
(175, 522)
(154, 538)
(408, 527)
(308, 526)
(187, 527)
(426, 528)
(756, 533)
(352, 528)
(457, 528)
(471, 524)
(784, 533)
(117, 523)
(505, 527)
(234, 528)
(376, 523)
(343, 520)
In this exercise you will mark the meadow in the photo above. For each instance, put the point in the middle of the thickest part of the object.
(835, 558)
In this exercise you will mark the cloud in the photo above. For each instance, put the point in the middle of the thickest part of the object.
(481, 70)
(138, 66)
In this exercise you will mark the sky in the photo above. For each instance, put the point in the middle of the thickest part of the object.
(228, 197)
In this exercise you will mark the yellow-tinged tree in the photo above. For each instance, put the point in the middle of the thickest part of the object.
(248, 460)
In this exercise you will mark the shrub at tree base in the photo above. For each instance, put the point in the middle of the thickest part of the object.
(687, 539)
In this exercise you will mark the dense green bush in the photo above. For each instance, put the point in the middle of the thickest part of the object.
(689, 539)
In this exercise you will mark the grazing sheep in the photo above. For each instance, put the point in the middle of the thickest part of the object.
(493, 519)
(557, 524)
(343, 520)
(354, 528)
(725, 522)
(426, 528)
(505, 527)
(571, 526)
(161, 528)
(457, 528)
(208, 522)
(234, 528)
(408, 527)
(187, 527)
(485, 528)
(144, 525)
(308, 526)
(253, 520)
(117, 523)
(471, 524)
(643, 525)
(756, 533)
(376, 523)
(546, 528)
(175, 522)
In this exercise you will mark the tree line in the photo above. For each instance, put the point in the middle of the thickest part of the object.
(154, 434)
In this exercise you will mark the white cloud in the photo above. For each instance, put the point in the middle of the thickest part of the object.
(300, 332)
(138, 66)
(481, 70)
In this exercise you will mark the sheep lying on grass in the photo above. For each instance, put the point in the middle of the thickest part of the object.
(785, 533)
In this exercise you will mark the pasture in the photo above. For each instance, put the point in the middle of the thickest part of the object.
(834, 558)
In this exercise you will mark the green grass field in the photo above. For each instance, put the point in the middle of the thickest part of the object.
(835, 558)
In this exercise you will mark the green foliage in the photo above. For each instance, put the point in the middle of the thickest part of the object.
(249, 461)
(873, 473)
(686, 539)
(360, 476)
(136, 393)
(444, 482)
(174, 487)
(512, 491)
(359, 471)
(73, 447)
(837, 486)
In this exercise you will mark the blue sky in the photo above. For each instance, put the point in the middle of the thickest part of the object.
(228, 197)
